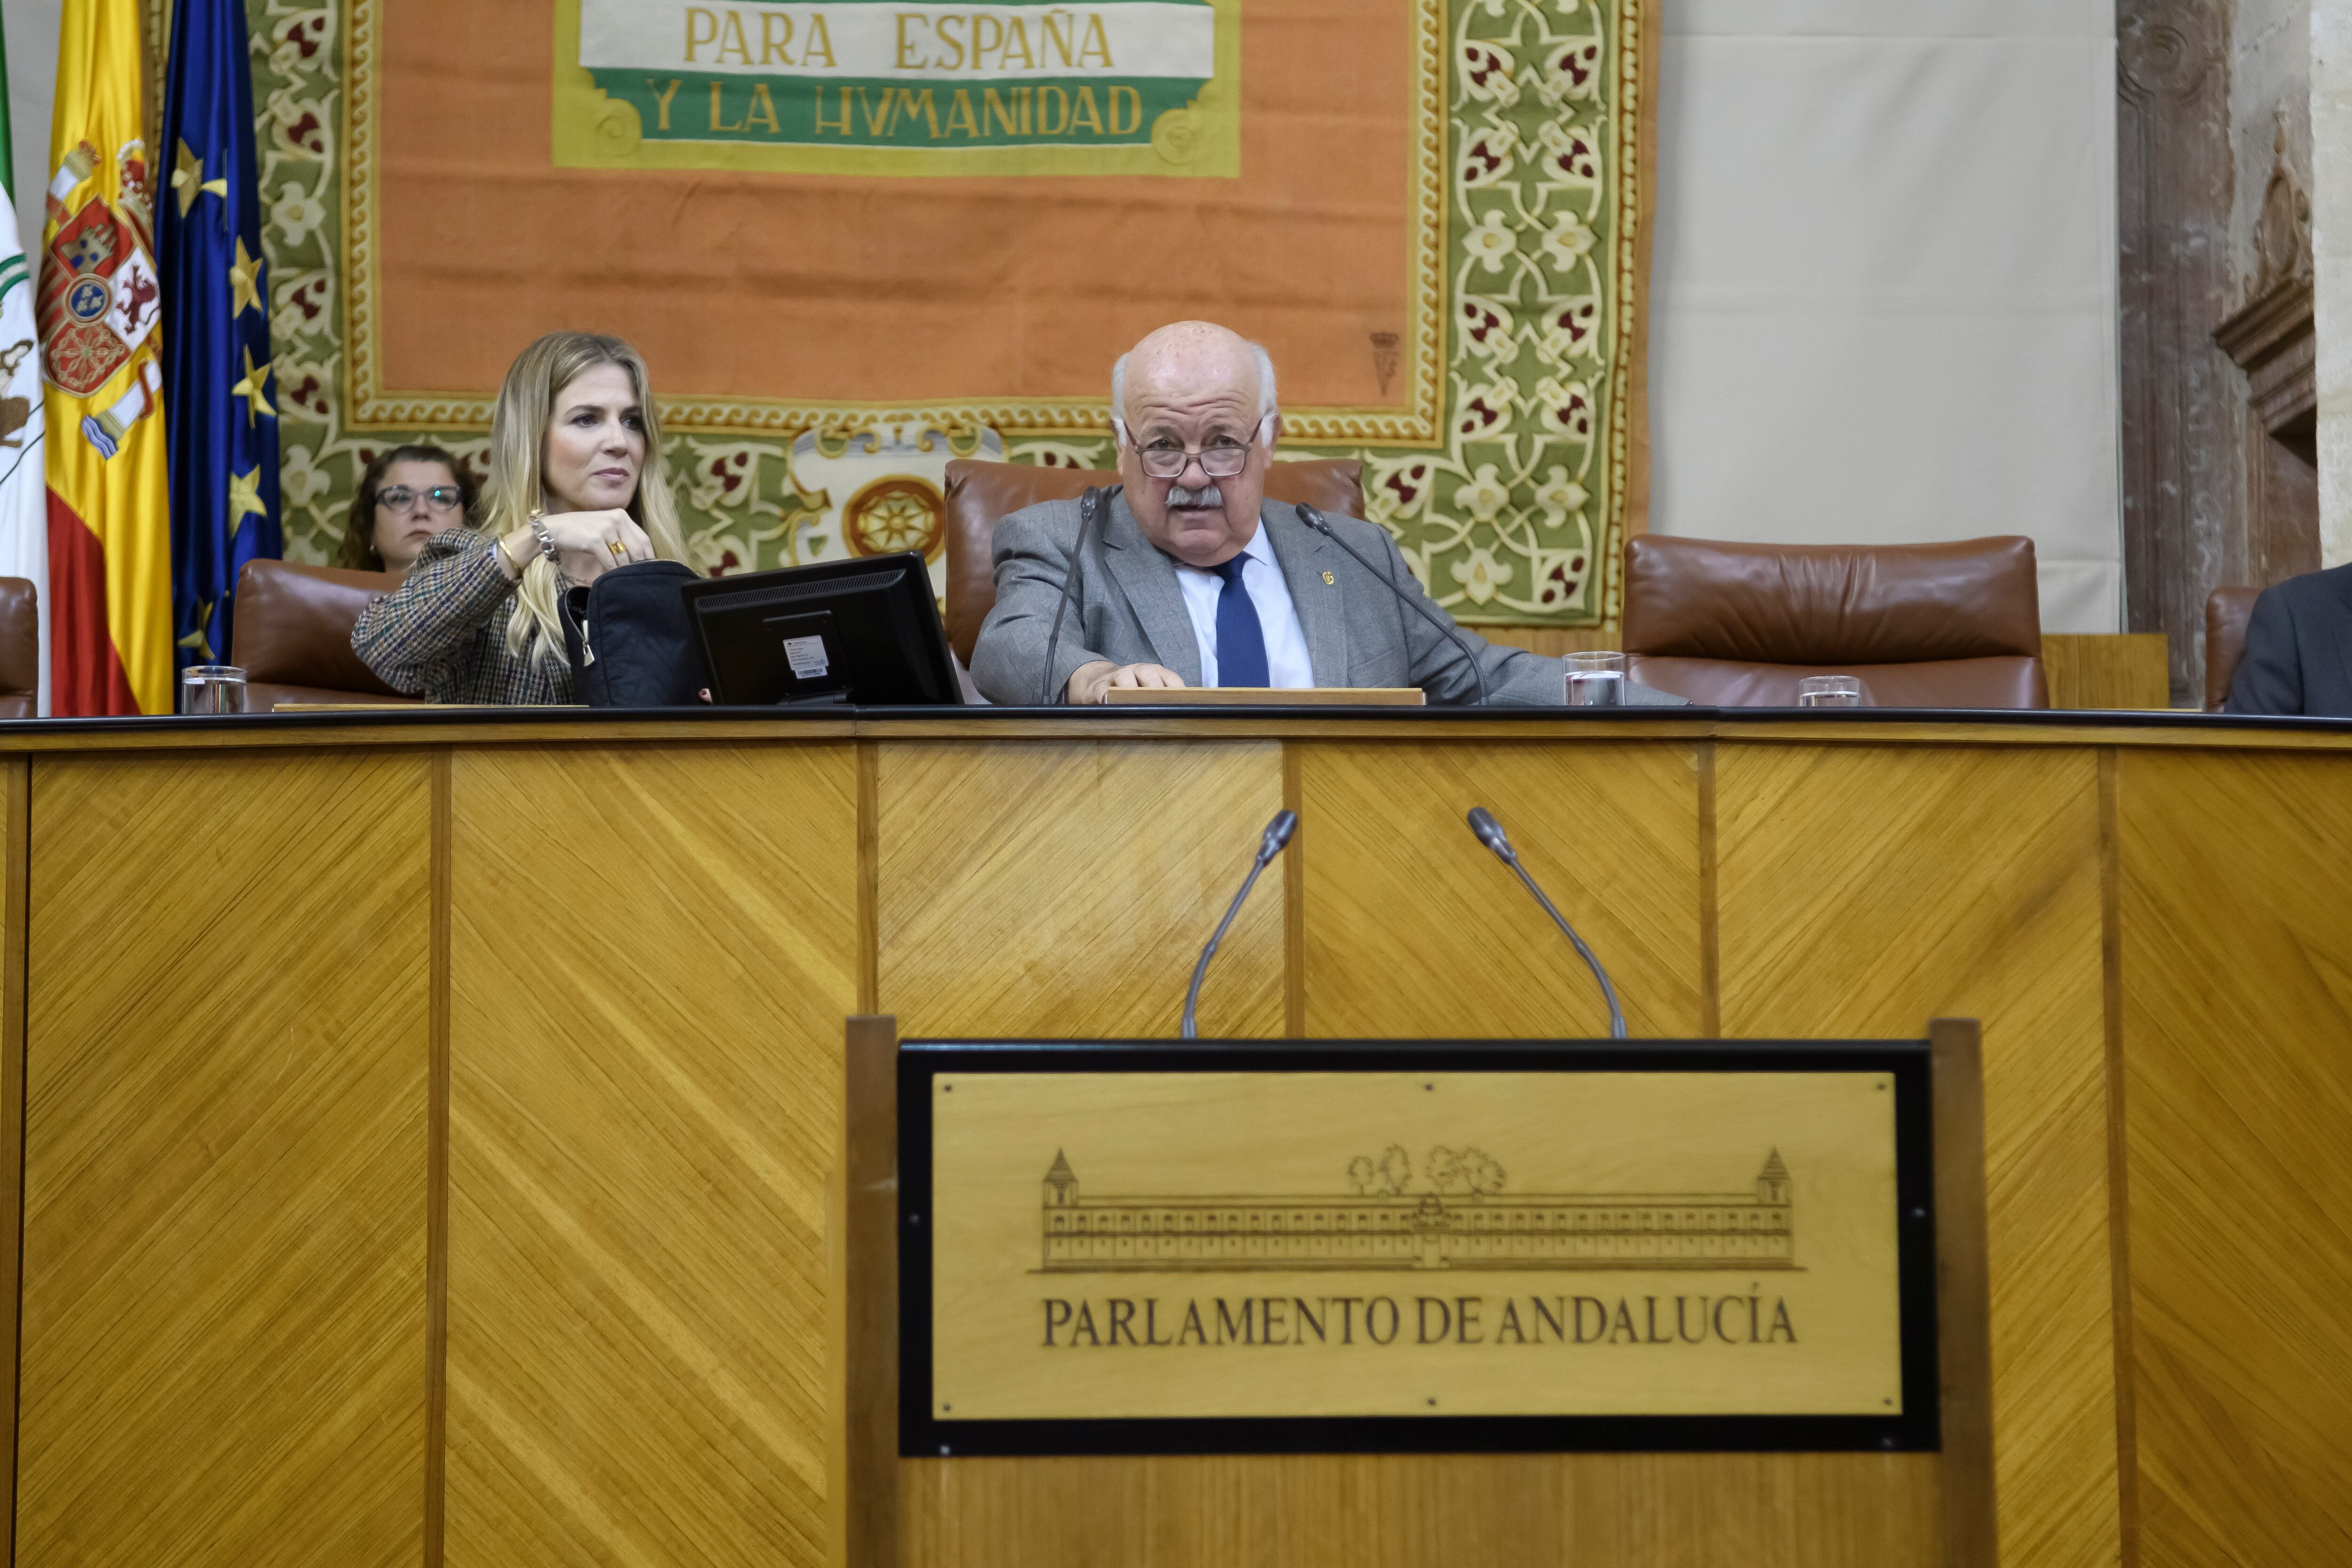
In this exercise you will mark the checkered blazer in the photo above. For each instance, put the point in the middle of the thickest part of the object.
(442, 634)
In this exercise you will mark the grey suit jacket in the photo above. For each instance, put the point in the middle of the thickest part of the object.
(1127, 607)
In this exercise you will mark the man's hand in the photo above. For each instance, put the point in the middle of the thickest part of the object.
(1090, 682)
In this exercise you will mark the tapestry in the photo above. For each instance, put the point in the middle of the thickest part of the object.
(856, 238)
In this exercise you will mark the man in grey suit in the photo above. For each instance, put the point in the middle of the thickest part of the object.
(1192, 579)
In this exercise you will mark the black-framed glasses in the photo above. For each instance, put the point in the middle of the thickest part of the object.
(440, 497)
(1220, 460)
(1223, 456)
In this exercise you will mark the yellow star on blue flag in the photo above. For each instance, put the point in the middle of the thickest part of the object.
(188, 179)
(244, 498)
(199, 642)
(254, 389)
(244, 282)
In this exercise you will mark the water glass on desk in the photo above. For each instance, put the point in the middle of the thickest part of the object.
(1833, 691)
(1596, 680)
(211, 688)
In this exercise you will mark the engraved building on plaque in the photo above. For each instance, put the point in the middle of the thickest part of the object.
(1467, 1222)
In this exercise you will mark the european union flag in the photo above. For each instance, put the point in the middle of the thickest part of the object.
(220, 415)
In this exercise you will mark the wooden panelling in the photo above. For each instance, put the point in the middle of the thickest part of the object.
(227, 1034)
(1864, 893)
(1535, 1511)
(16, 817)
(1412, 928)
(863, 1276)
(2236, 924)
(224, 1311)
(1066, 890)
(2124, 670)
(652, 954)
(1963, 1297)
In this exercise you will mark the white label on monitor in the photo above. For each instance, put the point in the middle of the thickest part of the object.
(806, 655)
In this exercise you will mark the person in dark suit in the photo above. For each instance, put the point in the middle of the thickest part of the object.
(2298, 649)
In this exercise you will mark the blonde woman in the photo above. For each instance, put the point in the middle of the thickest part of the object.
(576, 488)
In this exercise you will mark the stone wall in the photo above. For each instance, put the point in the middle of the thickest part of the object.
(2331, 125)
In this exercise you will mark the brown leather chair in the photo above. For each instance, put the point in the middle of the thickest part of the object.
(20, 648)
(979, 493)
(294, 635)
(2227, 611)
(1925, 626)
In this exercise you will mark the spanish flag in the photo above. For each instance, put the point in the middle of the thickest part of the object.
(99, 309)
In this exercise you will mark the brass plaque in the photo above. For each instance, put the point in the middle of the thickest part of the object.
(1402, 1243)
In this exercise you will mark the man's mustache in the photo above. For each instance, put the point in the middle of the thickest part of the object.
(1208, 495)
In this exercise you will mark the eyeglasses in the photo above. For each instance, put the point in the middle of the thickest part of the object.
(440, 497)
(1221, 459)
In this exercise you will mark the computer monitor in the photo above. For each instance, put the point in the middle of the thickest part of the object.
(865, 630)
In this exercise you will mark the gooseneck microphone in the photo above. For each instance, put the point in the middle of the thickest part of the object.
(1092, 507)
(1269, 844)
(1490, 833)
(1314, 519)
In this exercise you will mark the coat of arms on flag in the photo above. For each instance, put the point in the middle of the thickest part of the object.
(99, 300)
(99, 305)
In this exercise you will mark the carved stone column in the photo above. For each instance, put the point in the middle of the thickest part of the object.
(2331, 168)
(2183, 406)
(2270, 337)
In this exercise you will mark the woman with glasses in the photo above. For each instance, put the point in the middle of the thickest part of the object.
(406, 496)
(576, 489)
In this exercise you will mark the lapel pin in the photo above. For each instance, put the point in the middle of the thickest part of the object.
(1327, 579)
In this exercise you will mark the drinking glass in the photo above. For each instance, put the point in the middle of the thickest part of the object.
(211, 688)
(1596, 680)
(1833, 691)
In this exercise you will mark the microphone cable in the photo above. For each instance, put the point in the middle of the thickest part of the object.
(1490, 833)
(1269, 844)
(1091, 508)
(1314, 519)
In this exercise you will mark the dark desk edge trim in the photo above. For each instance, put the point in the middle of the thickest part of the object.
(1127, 716)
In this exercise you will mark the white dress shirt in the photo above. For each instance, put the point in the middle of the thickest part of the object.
(1285, 640)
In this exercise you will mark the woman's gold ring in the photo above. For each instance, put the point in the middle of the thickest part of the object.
(615, 546)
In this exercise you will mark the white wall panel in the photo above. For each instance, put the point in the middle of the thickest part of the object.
(1883, 293)
(32, 27)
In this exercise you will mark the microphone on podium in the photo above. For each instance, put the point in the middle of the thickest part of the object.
(1314, 519)
(1269, 844)
(1490, 833)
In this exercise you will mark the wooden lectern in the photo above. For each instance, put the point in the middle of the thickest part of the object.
(1247, 1364)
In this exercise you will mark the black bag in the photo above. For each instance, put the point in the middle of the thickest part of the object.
(631, 641)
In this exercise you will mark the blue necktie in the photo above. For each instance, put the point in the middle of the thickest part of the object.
(1240, 641)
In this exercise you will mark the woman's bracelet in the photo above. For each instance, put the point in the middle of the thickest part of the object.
(546, 539)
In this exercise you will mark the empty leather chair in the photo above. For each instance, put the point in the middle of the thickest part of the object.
(294, 635)
(979, 493)
(1925, 626)
(20, 648)
(2227, 610)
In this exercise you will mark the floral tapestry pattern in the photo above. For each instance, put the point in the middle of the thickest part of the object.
(1514, 515)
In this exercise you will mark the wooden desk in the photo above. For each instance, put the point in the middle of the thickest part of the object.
(425, 1120)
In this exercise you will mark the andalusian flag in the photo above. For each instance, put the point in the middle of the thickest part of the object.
(24, 488)
(99, 307)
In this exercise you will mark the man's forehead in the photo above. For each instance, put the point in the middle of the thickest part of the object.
(1167, 404)
(1193, 372)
